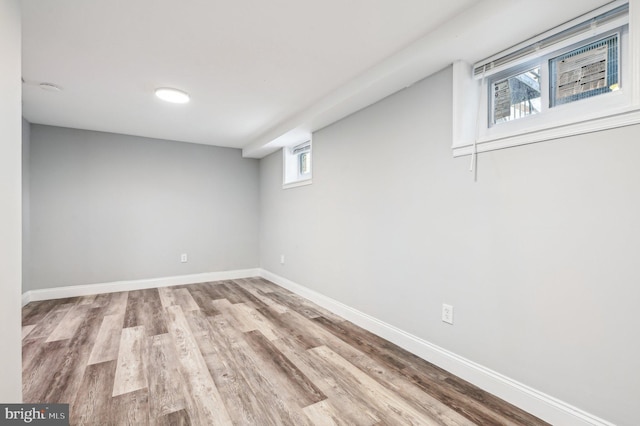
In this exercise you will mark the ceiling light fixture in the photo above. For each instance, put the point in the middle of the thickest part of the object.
(172, 95)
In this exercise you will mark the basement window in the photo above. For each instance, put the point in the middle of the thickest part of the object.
(587, 71)
(515, 96)
(581, 71)
(576, 78)
(297, 165)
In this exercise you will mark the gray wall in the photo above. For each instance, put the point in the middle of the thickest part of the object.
(108, 207)
(26, 208)
(539, 258)
(10, 202)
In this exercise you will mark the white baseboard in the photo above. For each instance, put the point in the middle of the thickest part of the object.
(544, 406)
(89, 289)
(535, 402)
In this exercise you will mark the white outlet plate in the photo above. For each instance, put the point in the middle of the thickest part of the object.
(183, 258)
(447, 313)
(282, 259)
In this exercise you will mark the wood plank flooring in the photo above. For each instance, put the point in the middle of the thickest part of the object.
(241, 352)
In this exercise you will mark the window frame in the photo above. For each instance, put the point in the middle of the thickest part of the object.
(560, 115)
(472, 128)
(292, 173)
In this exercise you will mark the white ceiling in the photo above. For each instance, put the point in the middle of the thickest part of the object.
(260, 73)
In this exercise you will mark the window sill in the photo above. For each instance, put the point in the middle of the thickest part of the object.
(297, 183)
(609, 111)
(626, 117)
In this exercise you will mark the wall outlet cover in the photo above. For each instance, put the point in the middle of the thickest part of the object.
(447, 313)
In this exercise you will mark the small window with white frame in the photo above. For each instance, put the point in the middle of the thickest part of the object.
(297, 165)
(572, 79)
(580, 71)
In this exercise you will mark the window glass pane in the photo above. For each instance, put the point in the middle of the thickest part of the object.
(305, 163)
(516, 97)
(585, 72)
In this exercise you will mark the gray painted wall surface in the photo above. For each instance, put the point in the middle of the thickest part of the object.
(539, 258)
(10, 202)
(26, 177)
(108, 207)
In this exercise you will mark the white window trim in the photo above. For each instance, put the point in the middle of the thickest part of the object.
(297, 184)
(291, 176)
(470, 106)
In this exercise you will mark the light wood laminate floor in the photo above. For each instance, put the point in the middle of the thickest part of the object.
(242, 352)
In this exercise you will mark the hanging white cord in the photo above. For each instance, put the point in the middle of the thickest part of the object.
(473, 167)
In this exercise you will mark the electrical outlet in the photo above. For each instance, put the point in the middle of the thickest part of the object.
(447, 313)
(183, 258)
(282, 259)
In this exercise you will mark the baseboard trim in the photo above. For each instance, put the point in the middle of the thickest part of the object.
(113, 287)
(544, 406)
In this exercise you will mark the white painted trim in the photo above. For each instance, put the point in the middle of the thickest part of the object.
(559, 43)
(89, 289)
(531, 400)
(599, 113)
(297, 184)
(628, 118)
(26, 298)
(466, 98)
(634, 50)
(291, 177)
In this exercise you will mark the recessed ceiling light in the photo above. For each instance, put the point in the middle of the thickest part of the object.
(50, 87)
(172, 95)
